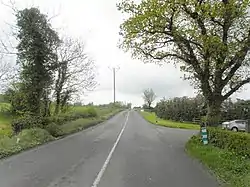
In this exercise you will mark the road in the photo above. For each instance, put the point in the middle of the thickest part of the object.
(125, 151)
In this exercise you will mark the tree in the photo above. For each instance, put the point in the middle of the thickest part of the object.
(180, 108)
(149, 97)
(129, 105)
(75, 72)
(4, 69)
(16, 96)
(7, 72)
(37, 57)
(209, 39)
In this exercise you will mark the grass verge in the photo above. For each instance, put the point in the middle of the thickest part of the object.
(152, 118)
(230, 168)
(5, 120)
(78, 125)
(30, 138)
(26, 139)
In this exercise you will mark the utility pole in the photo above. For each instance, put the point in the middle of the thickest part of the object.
(114, 69)
(114, 83)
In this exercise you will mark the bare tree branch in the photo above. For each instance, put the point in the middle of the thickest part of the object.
(76, 71)
(237, 87)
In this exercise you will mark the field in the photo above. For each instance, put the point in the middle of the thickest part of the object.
(5, 118)
(74, 120)
(152, 118)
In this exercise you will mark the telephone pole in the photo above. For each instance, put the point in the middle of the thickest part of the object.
(114, 69)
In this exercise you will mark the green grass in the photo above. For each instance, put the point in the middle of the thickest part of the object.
(152, 118)
(83, 123)
(30, 138)
(27, 139)
(78, 125)
(231, 169)
(5, 120)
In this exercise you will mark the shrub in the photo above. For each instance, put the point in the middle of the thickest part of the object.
(28, 138)
(34, 136)
(91, 112)
(228, 167)
(6, 132)
(59, 120)
(78, 125)
(77, 115)
(54, 129)
(27, 122)
(196, 139)
(238, 143)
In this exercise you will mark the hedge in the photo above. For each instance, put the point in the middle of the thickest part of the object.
(231, 170)
(238, 143)
(28, 122)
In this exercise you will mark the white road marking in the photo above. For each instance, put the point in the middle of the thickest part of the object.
(100, 174)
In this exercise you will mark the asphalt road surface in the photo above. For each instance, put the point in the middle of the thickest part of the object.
(125, 151)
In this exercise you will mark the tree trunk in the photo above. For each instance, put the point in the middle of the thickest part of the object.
(65, 98)
(46, 102)
(58, 102)
(214, 113)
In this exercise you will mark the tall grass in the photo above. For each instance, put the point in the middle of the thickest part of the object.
(5, 120)
(152, 118)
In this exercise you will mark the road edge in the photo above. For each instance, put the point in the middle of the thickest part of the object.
(61, 138)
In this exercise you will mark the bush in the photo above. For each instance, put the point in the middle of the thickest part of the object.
(91, 112)
(196, 139)
(27, 139)
(78, 125)
(238, 143)
(27, 122)
(34, 136)
(228, 167)
(54, 129)
(59, 120)
(6, 132)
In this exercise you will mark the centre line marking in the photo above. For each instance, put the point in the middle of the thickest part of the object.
(100, 174)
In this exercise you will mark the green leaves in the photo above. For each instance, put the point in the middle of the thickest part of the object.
(181, 109)
(230, 168)
(36, 55)
(208, 37)
(27, 139)
(238, 143)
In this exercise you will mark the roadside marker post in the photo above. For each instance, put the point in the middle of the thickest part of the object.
(204, 135)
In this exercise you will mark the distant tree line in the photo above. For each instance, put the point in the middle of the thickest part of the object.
(194, 109)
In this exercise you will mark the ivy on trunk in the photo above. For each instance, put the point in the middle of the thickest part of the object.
(37, 57)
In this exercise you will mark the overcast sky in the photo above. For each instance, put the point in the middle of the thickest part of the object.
(97, 23)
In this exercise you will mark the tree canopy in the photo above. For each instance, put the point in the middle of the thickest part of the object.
(210, 40)
(36, 54)
(193, 109)
(148, 97)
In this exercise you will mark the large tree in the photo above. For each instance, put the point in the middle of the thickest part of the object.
(209, 39)
(76, 72)
(148, 97)
(37, 57)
